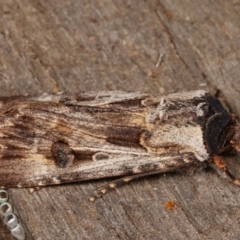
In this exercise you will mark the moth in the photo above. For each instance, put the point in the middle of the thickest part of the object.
(56, 139)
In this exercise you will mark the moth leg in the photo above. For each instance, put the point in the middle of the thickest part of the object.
(113, 184)
(120, 181)
(219, 162)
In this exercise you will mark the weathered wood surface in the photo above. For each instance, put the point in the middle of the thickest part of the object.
(50, 46)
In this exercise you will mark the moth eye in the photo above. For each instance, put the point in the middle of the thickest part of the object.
(11, 220)
(3, 196)
(5, 209)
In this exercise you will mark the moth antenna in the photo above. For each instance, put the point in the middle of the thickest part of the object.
(111, 185)
(219, 162)
(120, 181)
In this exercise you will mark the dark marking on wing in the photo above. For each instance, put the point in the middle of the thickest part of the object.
(85, 155)
(124, 136)
(101, 156)
(63, 155)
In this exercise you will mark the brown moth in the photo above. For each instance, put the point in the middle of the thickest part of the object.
(55, 139)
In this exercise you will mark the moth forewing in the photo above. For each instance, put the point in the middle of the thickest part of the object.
(54, 139)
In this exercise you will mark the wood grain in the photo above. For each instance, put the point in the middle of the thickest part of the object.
(155, 46)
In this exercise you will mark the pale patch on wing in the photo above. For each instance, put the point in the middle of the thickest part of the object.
(184, 96)
(187, 138)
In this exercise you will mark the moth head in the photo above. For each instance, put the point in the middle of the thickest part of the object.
(235, 141)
